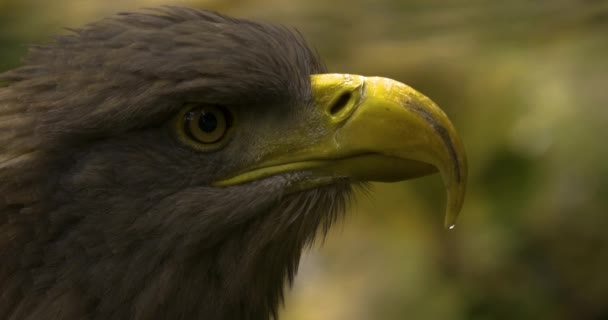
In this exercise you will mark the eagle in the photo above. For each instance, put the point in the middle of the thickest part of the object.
(174, 163)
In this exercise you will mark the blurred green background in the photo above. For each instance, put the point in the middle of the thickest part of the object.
(526, 84)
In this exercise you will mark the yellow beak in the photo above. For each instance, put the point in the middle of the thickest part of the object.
(374, 129)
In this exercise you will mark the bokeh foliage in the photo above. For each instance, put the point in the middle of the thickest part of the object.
(526, 84)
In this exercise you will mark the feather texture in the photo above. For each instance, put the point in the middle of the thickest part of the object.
(104, 216)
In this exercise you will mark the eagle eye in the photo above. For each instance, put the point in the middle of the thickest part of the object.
(204, 126)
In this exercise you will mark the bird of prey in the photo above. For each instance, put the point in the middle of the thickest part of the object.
(173, 163)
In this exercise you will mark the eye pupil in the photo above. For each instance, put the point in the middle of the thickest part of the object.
(205, 125)
(207, 122)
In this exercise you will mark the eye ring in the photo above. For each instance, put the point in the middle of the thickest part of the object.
(206, 124)
(204, 127)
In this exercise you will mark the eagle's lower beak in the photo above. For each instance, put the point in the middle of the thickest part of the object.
(376, 129)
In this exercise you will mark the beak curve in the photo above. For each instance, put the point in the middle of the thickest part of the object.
(376, 129)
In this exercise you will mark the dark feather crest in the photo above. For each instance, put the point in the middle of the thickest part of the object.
(113, 70)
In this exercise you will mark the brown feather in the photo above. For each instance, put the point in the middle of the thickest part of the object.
(103, 215)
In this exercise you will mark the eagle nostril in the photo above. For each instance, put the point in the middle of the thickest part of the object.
(340, 103)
